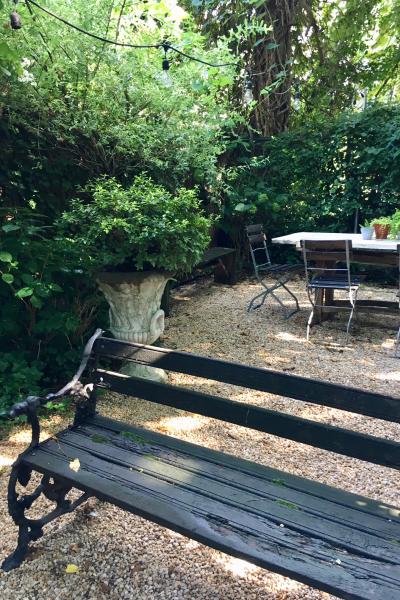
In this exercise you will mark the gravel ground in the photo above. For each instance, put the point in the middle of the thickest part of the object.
(120, 556)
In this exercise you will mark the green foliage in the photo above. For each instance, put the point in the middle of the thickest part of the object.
(395, 224)
(139, 227)
(381, 221)
(317, 176)
(20, 377)
(81, 109)
(46, 310)
(72, 110)
(367, 224)
(326, 52)
(27, 259)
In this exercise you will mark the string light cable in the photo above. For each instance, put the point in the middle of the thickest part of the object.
(15, 22)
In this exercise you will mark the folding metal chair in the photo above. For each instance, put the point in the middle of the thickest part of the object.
(397, 344)
(322, 274)
(264, 268)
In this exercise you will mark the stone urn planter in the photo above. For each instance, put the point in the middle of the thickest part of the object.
(135, 313)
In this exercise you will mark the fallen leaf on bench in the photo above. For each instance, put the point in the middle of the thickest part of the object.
(71, 568)
(75, 465)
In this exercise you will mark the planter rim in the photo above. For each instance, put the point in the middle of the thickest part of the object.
(130, 276)
(382, 225)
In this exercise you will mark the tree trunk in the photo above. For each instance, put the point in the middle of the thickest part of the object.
(271, 67)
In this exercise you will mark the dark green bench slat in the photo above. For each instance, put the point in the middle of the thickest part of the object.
(319, 519)
(182, 506)
(386, 517)
(213, 254)
(350, 443)
(291, 386)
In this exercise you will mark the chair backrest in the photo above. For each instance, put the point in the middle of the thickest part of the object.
(258, 247)
(320, 258)
(321, 435)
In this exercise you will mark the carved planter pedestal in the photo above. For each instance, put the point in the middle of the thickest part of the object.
(135, 313)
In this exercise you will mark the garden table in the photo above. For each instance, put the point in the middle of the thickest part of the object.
(373, 252)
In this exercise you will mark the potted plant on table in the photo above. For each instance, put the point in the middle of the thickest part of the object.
(367, 231)
(381, 227)
(133, 240)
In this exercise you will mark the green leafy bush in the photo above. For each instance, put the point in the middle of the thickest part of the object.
(381, 221)
(139, 227)
(20, 377)
(319, 176)
(395, 224)
(71, 115)
(73, 110)
(46, 309)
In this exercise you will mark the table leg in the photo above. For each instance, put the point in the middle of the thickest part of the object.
(323, 297)
(328, 301)
(319, 299)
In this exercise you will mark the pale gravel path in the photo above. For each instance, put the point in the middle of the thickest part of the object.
(123, 557)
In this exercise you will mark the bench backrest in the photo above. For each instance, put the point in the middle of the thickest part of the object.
(343, 441)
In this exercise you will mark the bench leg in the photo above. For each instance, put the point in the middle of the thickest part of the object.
(14, 560)
(225, 271)
(32, 529)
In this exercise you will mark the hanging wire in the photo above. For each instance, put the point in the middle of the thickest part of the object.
(164, 45)
(199, 60)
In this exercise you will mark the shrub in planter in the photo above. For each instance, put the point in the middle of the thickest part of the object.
(138, 228)
(135, 239)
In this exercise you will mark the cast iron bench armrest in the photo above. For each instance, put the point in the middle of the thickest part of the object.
(74, 387)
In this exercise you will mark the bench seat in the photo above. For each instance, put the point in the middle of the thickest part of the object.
(340, 542)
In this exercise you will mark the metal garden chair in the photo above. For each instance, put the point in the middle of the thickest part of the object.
(264, 268)
(323, 276)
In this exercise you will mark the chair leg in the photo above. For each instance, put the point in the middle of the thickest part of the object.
(353, 299)
(269, 291)
(279, 301)
(397, 344)
(309, 322)
(291, 313)
(349, 323)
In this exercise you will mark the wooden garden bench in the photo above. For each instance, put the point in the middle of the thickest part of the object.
(322, 536)
(224, 262)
